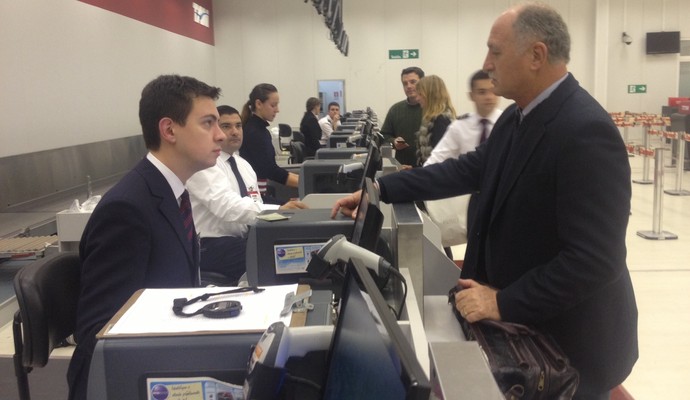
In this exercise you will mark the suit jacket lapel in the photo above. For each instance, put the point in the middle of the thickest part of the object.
(169, 209)
(530, 132)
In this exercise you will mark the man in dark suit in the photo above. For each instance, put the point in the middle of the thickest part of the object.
(547, 246)
(141, 235)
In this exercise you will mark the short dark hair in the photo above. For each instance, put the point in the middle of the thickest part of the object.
(478, 76)
(413, 70)
(312, 102)
(170, 96)
(227, 110)
(333, 103)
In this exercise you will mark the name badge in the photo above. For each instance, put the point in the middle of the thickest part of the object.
(255, 195)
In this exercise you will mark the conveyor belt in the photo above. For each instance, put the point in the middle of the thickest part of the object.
(26, 247)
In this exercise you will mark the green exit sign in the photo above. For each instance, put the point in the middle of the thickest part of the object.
(637, 88)
(403, 54)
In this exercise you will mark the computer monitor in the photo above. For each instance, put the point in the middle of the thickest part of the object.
(369, 356)
(367, 227)
(278, 252)
(372, 163)
(326, 176)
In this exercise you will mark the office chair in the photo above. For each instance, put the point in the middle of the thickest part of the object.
(298, 136)
(285, 136)
(47, 292)
(296, 152)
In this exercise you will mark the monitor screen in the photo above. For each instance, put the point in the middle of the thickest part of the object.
(369, 357)
(367, 227)
(663, 42)
(372, 163)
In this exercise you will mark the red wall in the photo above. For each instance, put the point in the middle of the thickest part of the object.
(172, 15)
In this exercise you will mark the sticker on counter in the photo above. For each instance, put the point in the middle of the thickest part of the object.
(294, 258)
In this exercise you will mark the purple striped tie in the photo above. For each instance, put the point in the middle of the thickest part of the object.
(485, 130)
(186, 213)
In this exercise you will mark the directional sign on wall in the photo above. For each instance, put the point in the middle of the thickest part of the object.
(403, 54)
(637, 88)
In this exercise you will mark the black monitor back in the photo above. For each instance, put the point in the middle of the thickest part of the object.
(322, 176)
(276, 250)
(338, 153)
(370, 357)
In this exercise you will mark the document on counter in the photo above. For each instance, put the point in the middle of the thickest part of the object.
(150, 313)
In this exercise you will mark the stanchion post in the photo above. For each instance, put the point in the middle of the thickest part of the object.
(645, 162)
(657, 233)
(680, 163)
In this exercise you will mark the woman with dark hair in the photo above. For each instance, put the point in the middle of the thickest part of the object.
(257, 147)
(310, 127)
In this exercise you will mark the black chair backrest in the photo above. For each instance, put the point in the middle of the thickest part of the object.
(298, 136)
(284, 130)
(47, 292)
(297, 152)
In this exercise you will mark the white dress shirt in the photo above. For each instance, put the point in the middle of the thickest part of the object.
(462, 136)
(175, 183)
(327, 129)
(217, 206)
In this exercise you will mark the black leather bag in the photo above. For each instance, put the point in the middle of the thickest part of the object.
(525, 363)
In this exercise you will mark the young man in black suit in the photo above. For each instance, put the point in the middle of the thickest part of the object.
(141, 234)
(547, 247)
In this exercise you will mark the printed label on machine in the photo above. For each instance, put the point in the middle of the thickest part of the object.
(294, 258)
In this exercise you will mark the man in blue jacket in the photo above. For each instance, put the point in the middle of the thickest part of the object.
(547, 247)
(141, 234)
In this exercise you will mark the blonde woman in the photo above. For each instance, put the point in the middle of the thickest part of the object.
(437, 113)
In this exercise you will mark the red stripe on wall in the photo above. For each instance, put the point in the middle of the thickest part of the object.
(176, 16)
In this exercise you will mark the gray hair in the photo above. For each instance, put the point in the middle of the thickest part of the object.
(542, 23)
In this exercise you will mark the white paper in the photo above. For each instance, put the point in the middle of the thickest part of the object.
(152, 312)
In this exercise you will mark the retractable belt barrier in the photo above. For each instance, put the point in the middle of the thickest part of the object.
(681, 137)
(648, 121)
(657, 233)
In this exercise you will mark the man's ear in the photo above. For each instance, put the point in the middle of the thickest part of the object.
(540, 54)
(165, 128)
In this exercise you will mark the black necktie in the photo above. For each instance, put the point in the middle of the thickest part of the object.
(240, 181)
(186, 213)
(485, 130)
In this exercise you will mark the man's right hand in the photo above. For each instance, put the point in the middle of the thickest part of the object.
(400, 143)
(293, 204)
(347, 205)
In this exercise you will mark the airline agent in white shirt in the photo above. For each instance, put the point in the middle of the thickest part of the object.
(330, 122)
(221, 211)
(465, 134)
(462, 136)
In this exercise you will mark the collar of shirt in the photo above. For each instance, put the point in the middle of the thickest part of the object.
(224, 156)
(542, 96)
(175, 183)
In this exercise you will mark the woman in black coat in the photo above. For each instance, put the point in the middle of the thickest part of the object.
(310, 127)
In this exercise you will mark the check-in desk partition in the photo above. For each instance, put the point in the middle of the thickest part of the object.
(458, 366)
(120, 365)
(406, 244)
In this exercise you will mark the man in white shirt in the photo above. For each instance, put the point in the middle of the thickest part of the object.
(465, 134)
(224, 204)
(330, 122)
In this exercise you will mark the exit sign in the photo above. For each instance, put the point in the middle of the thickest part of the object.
(637, 88)
(403, 54)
